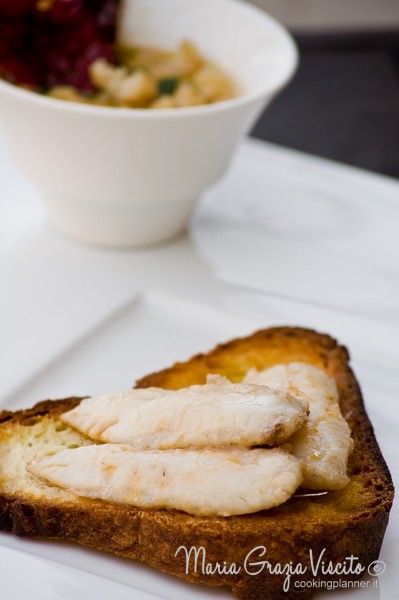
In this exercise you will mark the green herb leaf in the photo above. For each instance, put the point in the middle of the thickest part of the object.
(166, 87)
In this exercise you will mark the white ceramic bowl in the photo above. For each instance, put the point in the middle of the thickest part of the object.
(128, 177)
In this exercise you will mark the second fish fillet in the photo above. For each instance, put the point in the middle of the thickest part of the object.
(199, 416)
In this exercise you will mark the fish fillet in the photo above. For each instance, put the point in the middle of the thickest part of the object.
(222, 482)
(324, 442)
(215, 414)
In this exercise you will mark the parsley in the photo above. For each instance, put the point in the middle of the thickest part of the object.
(166, 87)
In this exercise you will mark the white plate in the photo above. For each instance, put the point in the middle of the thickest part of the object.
(78, 320)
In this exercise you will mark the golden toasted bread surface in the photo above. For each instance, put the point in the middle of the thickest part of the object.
(351, 521)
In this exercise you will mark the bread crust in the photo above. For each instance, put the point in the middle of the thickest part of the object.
(346, 522)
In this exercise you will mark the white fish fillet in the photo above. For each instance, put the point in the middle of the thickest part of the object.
(324, 442)
(221, 482)
(209, 415)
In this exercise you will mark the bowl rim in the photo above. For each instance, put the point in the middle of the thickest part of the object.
(239, 101)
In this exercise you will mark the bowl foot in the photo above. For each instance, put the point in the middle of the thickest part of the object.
(119, 225)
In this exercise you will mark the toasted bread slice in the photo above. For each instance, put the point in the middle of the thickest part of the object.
(346, 522)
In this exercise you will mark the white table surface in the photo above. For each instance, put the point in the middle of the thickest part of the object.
(284, 239)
